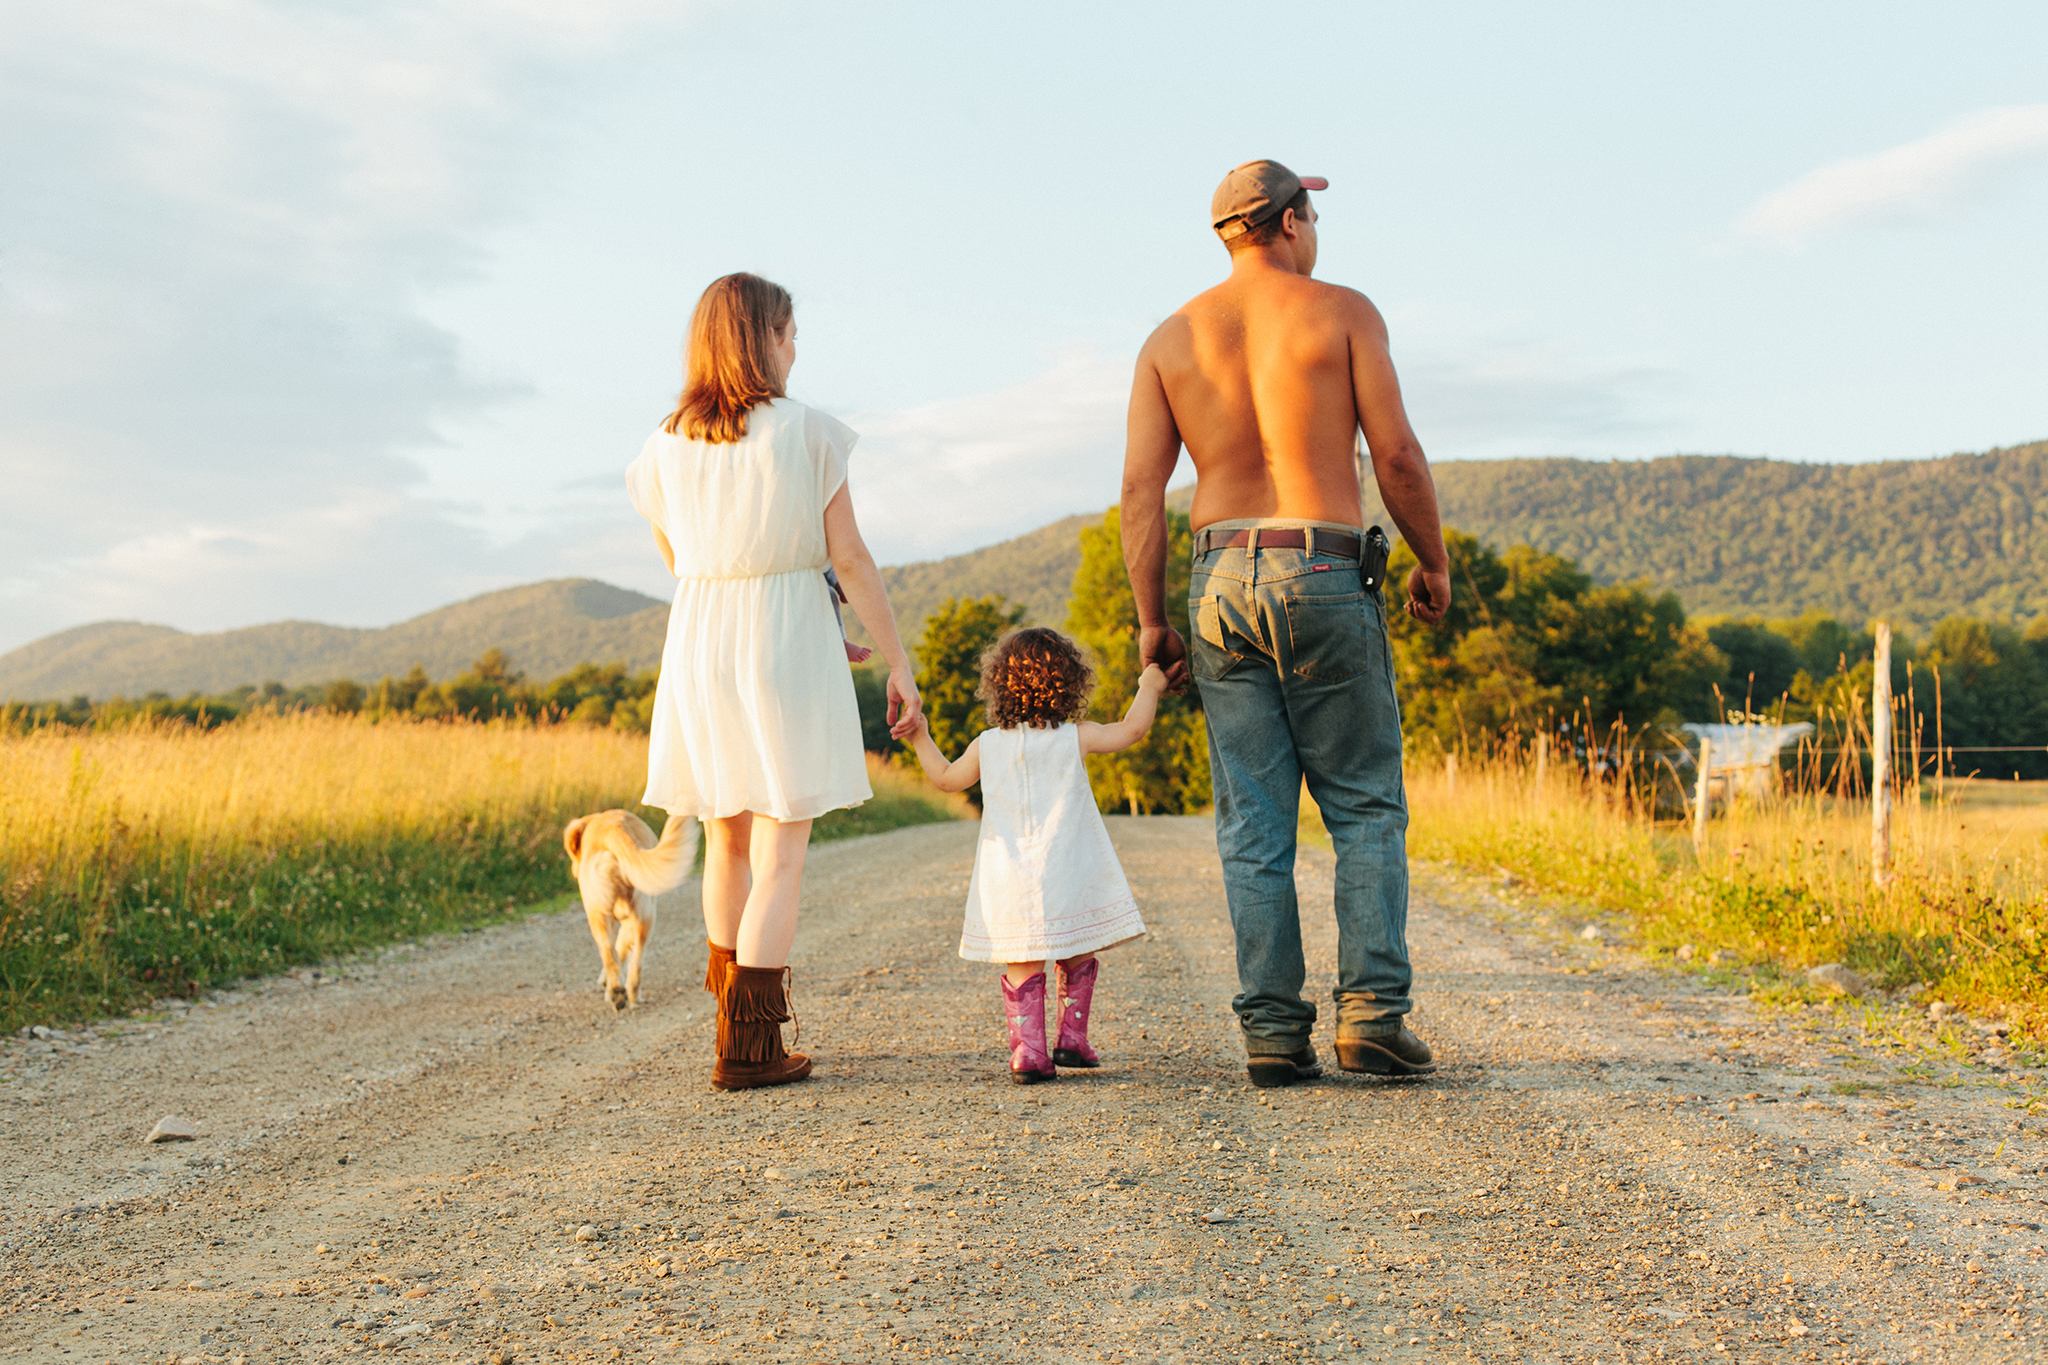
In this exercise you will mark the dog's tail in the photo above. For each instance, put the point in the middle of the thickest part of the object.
(572, 839)
(666, 866)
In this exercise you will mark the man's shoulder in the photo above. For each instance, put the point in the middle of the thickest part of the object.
(1171, 334)
(1340, 297)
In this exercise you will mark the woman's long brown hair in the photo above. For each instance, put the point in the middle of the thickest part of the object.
(729, 365)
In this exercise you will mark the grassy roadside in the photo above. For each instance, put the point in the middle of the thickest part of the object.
(1779, 887)
(160, 860)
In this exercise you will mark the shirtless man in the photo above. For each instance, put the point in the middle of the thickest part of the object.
(1266, 379)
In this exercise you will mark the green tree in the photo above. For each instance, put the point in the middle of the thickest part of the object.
(490, 688)
(1762, 664)
(1534, 641)
(1168, 772)
(1994, 695)
(344, 696)
(398, 695)
(949, 652)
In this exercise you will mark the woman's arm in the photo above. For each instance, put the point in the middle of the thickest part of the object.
(870, 602)
(1115, 738)
(668, 553)
(947, 777)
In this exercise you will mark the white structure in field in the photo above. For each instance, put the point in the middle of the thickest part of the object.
(1743, 759)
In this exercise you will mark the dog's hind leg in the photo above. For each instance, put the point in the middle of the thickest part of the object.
(633, 936)
(601, 930)
(602, 884)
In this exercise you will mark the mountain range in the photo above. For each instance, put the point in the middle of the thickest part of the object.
(1911, 541)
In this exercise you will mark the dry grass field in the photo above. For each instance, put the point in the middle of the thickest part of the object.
(1780, 885)
(158, 859)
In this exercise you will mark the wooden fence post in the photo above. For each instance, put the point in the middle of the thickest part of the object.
(1451, 773)
(1881, 757)
(1699, 801)
(1542, 759)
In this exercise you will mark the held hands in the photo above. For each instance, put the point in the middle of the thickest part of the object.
(1161, 647)
(1153, 678)
(906, 708)
(1429, 594)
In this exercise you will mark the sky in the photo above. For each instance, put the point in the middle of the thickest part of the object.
(344, 312)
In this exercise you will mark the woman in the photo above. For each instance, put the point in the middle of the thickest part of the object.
(756, 730)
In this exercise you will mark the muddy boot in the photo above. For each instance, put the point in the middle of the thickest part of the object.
(1399, 1053)
(752, 1010)
(1024, 1009)
(1077, 993)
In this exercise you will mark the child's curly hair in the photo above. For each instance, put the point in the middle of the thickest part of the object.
(1036, 677)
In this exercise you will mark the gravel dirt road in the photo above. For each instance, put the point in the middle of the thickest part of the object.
(456, 1151)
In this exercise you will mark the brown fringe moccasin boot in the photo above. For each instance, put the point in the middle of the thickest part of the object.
(751, 1014)
(714, 970)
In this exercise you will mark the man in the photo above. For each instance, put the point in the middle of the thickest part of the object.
(1266, 379)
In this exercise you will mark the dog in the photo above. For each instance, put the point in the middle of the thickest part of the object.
(621, 867)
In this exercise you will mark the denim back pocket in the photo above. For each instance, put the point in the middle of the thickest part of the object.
(1328, 637)
(1219, 643)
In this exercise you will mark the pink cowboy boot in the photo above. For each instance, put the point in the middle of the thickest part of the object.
(1024, 1008)
(1077, 993)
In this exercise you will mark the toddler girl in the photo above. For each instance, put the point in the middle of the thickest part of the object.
(1046, 882)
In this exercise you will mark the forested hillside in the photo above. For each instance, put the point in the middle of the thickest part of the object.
(1912, 541)
(1909, 540)
(546, 628)
(1033, 571)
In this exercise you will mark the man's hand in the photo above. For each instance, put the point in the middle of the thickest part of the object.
(1429, 594)
(1162, 645)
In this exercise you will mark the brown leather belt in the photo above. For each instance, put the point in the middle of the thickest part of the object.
(1278, 538)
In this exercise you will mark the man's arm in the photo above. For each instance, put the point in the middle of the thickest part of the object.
(1399, 465)
(1151, 450)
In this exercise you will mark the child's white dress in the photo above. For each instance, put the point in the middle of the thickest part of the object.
(755, 708)
(1046, 881)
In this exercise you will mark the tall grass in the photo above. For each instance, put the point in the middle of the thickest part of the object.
(1780, 884)
(160, 859)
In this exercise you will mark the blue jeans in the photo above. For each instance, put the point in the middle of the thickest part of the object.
(1291, 657)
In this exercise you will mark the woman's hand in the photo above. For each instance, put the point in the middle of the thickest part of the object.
(905, 706)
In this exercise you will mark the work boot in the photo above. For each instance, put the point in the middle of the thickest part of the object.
(752, 1010)
(1390, 1054)
(1077, 993)
(1024, 1012)
(1268, 1070)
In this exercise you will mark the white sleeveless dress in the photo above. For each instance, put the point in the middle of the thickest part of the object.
(755, 708)
(1046, 882)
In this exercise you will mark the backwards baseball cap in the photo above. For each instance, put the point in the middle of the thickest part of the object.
(1255, 192)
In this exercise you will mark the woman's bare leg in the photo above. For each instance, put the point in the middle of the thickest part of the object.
(728, 876)
(768, 927)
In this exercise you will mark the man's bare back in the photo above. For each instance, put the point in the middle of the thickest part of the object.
(1265, 379)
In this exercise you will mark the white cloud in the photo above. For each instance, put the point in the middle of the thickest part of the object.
(1498, 399)
(945, 477)
(221, 217)
(1926, 176)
